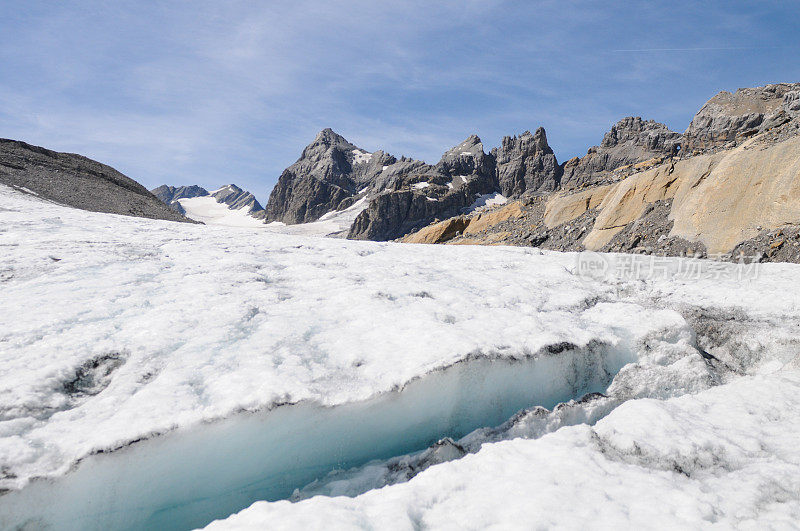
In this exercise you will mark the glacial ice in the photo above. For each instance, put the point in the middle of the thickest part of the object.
(155, 373)
(188, 478)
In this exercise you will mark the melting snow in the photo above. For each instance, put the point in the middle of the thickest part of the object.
(420, 185)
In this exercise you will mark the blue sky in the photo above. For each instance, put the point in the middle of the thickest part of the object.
(196, 92)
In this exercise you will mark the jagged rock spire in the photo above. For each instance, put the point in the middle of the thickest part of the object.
(526, 163)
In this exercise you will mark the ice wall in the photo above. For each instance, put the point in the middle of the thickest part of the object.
(192, 476)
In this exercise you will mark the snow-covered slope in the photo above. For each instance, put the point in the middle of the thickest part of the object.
(166, 375)
(334, 224)
(211, 212)
(229, 205)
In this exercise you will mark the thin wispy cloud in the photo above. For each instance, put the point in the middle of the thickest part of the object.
(704, 49)
(208, 93)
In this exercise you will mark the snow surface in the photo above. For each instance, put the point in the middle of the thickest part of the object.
(420, 185)
(209, 211)
(487, 200)
(361, 156)
(334, 223)
(197, 338)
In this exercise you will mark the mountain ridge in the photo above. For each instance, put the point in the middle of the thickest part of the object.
(77, 181)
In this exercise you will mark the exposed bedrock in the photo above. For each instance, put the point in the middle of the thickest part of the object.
(405, 195)
(526, 164)
(728, 118)
(739, 201)
(464, 173)
(238, 199)
(170, 195)
(630, 141)
(329, 173)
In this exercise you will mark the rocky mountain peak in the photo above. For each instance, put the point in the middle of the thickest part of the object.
(472, 145)
(467, 158)
(328, 137)
(237, 199)
(230, 194)
(630, 141)
(540, 140)
(168, 194)
(526, 163)
(729, 118)
(648, 133)
(527, 142)
(328, 176)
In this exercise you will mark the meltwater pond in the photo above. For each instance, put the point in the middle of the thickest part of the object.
(192, 476)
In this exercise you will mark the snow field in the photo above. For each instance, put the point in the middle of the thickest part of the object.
(116, 329)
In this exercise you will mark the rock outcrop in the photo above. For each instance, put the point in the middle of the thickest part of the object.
(426, 193)
(644, 188)
(237, 199)
(631, 142)
(169, 195)
(526, 164)
(405, 194)
(77, 181)
(736, 192)
(727, 119)
(331, 174)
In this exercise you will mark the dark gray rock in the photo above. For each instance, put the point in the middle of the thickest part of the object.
(526, 164)
(650, 235)
(169, 195)
(423, 193)
(728, 118)
(237, 199)
(466, 160)
(630, 141)
(777, 245)
(329, 174)
(316, 183)
(78, 182)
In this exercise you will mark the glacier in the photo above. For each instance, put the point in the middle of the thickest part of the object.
(162, 374)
